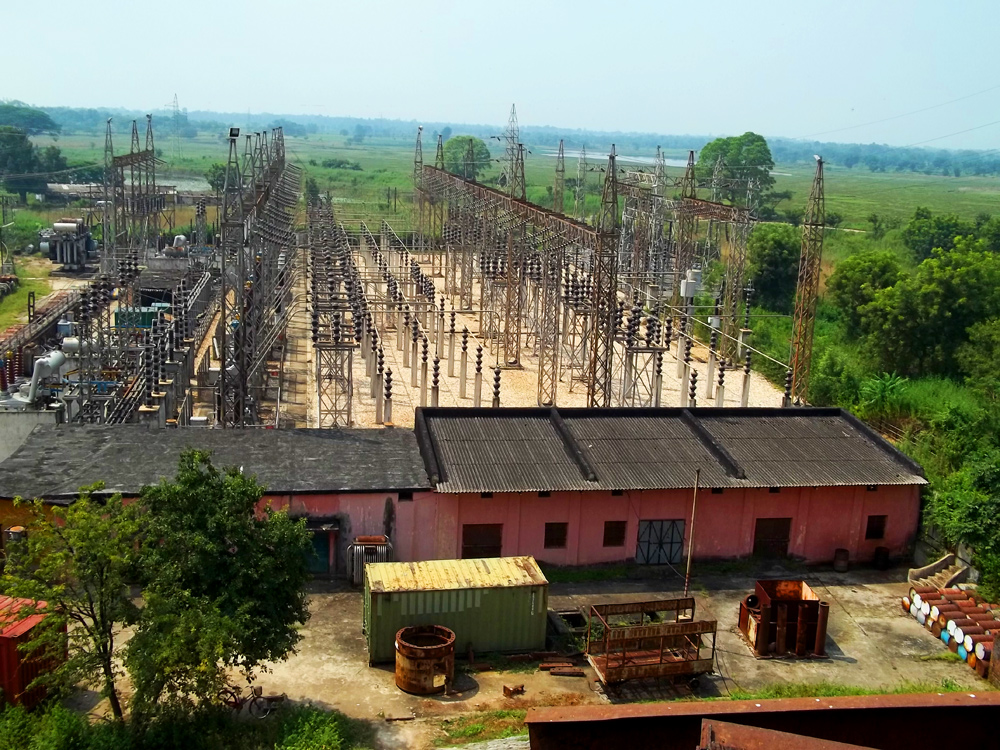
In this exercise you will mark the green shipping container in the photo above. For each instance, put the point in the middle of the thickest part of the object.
(492, 604)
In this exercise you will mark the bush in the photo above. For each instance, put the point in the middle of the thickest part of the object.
(308, 728)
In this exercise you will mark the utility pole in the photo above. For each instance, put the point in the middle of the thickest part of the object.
(807, 290)
(560, 186)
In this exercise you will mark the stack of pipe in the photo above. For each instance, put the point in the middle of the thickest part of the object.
(964, 622)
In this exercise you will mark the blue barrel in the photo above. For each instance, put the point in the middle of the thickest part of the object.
(962, 653)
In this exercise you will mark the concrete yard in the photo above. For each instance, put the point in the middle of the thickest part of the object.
(871, 644)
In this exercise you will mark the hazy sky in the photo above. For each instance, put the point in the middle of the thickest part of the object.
(795, 69)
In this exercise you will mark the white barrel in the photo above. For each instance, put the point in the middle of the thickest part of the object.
(66, 227)
(914, 609)
(921, 618)
(981, 649)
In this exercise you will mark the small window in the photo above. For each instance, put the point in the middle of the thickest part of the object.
(872, 488)
(716, 490)
(486, 495)
(617, 493)
(555, 535)
(876, 527)
(406, 495)
(774, 490)
(545, 494)
(614, 533)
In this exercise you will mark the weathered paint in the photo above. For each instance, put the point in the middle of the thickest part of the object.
(499, 618)
(823, 520)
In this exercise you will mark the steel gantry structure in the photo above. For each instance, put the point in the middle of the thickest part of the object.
(257, 262)
(807, 290)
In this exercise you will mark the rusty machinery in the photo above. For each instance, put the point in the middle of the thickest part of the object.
(649, 639)
(784, 618)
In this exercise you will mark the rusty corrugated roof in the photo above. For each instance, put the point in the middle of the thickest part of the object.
(541, 450)
(446, 575)
(12, 624)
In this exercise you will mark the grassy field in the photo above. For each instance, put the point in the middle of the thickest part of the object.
(388, 164)
(34, 278)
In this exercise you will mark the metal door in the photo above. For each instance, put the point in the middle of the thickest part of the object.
(660, 542)
(771, 537)
(481, 540)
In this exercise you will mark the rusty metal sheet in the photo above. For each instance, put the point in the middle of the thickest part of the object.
(446, 575)
(631, 608)
(638, 632)
(666, 669)
(724, 735)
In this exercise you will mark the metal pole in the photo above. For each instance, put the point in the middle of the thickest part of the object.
(694, 506)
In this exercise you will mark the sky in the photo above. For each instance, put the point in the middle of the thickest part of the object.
(831, 71)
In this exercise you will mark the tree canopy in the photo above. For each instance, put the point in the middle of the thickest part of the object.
(855, 282)
(925, 232)
(743, 157)
(455, 150)
(215, 175)
(29, 120)
(773, 252)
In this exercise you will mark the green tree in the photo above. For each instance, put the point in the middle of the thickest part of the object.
(29, 120)
(51, 160)
(18, 163)
(744, 157)
(878, 226)
(78, 560)
(454, 156)
(215, 175)
(312, 190)
(773, 251)
(223, 585)
(445, 133)
(915, 326)
(977, 358)
(925, 232)
(855, 282)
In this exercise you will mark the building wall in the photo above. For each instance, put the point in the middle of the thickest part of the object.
(823, 520)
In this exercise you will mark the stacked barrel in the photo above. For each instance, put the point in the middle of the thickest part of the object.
(963, 621)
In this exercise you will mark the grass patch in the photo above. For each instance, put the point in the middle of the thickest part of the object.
(559, 574)
(941, 656)
(34, 278)
(833, 690)
(482, 727)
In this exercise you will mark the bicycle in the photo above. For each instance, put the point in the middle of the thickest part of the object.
(258, 705)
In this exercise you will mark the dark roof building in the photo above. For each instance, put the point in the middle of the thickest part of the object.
(548, 450)
(55, 461)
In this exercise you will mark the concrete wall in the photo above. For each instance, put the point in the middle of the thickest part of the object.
(823, 520)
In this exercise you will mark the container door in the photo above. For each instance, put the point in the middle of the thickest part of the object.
(660, 542)
(771, 537)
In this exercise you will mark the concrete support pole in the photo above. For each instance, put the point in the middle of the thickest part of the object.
(463, 367)
(387, 411)
(435, 383)
(414, 359)
(745, 396)
(439, 343)
(710, 375)
(477, 388)
(423, 373)
(379, 395)
(451, 352)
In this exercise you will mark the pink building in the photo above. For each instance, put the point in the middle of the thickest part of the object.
(584, 486)
(567, 486)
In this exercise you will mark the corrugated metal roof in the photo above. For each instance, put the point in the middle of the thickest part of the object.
(12, 626)
(446, 575)
(542, 450)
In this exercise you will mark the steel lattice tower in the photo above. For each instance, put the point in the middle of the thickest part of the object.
(807, 291)
(580, 207)
(560, 186)
(685, 245)
(605, 292)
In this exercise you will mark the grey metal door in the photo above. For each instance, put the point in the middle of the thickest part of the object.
(660, 542)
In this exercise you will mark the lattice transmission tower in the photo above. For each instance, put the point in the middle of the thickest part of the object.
(807, 291)
(560, 186)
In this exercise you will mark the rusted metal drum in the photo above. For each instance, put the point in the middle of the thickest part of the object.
(939, 610)
(425, 659)
(959, 623)
(971, 641)
(984, 650)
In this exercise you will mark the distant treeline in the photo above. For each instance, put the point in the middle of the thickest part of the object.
(874, 157)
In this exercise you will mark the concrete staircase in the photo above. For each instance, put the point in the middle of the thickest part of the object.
(942, 574)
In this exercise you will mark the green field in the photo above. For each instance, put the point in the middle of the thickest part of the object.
(387, 163)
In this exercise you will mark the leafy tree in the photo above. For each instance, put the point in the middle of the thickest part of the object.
(78, 560)
(28, 120)
(926, 232)
(855, 282)
(834, 219)
(773, 251)
(50, 159)
(978, 357)
(312, 190)
(223, 585)
(454, 156)
(215, 175)
(794, 216)
(915, 326)
(445, 133)
(360, 133)
(878, 227)
(744, 157)
(18, 163)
